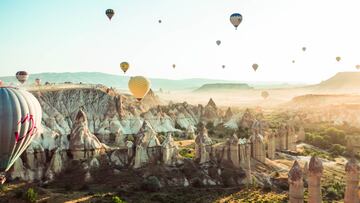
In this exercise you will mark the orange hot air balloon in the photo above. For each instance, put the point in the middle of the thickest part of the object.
(139, 86)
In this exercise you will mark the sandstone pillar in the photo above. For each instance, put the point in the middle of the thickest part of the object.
(314, 176)
(352, 182)
(296, 184)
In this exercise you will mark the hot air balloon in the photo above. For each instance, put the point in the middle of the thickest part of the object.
(218, 42)
(109, 13)
(20, 115)
(124, 66)
(160, 21)
(38, 81)
(139, 86)
(293, 61)
(223, 66)
(22, 76)
(304, 48)
(174, 66)
(236, 19)
(338, 59)
(265, 94)
(357, 67)
(255, 66)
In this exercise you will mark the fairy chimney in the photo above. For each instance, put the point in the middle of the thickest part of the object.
(352, 182)
(314, 176)
(296, 184)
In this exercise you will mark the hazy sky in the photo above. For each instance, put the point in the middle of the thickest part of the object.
(75, 35)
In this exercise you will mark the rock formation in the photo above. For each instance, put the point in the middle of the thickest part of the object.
(83, 144)
(246, 120)
(314, 176)
(271, 145)
(203, 146)
(352, 182)
(147, 146)
(169, 151)
(228, 115)
(301, 134)
(296, 184)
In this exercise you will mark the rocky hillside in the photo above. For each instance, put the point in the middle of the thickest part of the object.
(343, 81)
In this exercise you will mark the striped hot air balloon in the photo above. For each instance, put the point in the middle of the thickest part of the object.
(236, 19)
(20, 115)
(110, 13)
(22, 76)
(139, 86)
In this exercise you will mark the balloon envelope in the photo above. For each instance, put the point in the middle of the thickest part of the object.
(338, 59)
(20, 114)
(218, 42)
(22, 76)
(160, 21)
(110, 13)
(139, 86)
(174, 65)
(255, 66)
(236, 19)
(304, 48)
(124, 66)
(265, 94)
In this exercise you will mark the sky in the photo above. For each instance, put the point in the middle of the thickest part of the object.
(75, 36)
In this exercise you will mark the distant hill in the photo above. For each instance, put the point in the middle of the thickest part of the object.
(223, 87)
(349, 81)
(316, 100)
(121, 81)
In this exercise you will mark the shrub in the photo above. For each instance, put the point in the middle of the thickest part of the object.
(187, 153)
(151, 184)
(116, 199)
(31, 195)
(337, 150)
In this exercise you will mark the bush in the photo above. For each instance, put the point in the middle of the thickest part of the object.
(187, 153)
(31, 195)
(151, 184)
(337, 150)
(116, 199)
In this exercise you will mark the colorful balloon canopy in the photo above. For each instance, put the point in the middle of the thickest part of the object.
(338, 59)
(236, 19)
(218, 42)
(255, 66)
(110, 13)
(265, 94)
(22, 76)
(20, 115)
(139, 86)
(124, 66)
